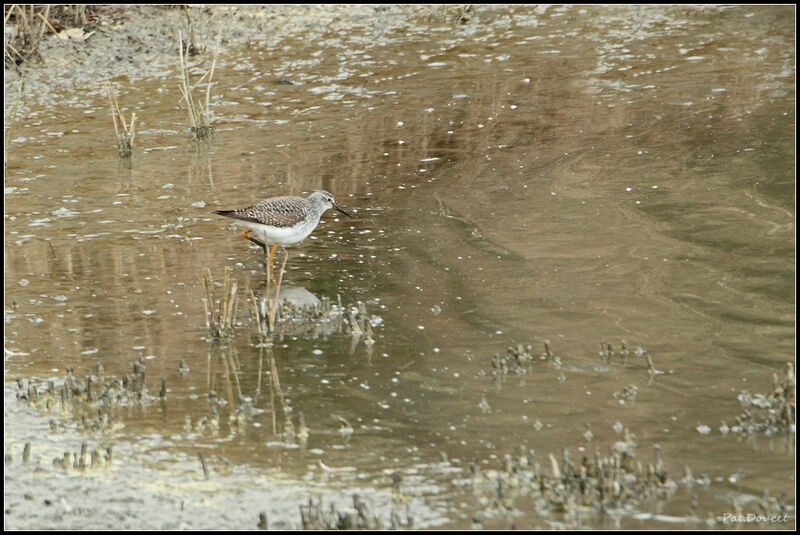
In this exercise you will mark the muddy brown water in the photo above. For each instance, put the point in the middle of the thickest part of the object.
(571, 174)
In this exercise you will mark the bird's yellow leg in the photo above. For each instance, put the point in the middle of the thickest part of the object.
(269, 265)
(246, 236)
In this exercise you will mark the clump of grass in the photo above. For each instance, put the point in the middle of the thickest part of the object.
(326, 317)
(99, 401)
(220, 320)
(314, 516)
(30, 23)
(771, 413)
(520, 360)
(559, 484)
(199, 114)
(124, 133)
(459, 13)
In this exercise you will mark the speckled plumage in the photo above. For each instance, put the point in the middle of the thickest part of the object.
(276, 212)
(284, 220)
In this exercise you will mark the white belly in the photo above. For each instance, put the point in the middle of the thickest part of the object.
(281, 235)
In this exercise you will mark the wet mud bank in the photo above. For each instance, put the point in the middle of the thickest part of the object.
(140, 42)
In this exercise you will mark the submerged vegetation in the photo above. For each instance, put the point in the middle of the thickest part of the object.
(96, 399)
(771, 413)
(597, 483)
(281, 316)
(560, 489)
(315, 516)
(568, 492)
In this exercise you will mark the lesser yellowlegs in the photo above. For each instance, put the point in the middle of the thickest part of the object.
(282, 220)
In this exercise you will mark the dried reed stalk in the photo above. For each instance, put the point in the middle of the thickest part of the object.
(199, 116)
(125, 134)
(221, 323)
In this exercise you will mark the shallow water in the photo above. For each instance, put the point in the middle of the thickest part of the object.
(571, 174)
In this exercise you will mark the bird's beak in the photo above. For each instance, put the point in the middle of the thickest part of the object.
(342, 211)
